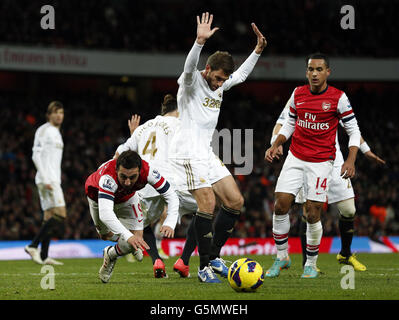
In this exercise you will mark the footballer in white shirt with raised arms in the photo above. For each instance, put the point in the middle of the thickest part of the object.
(47, 156)
(199, 100)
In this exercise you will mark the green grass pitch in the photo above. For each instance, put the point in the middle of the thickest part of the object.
(78, 280)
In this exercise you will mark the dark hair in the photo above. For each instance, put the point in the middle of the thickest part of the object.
(221, 60)
(129, 160)
(54, 106)
(319, 55)
(169, 104)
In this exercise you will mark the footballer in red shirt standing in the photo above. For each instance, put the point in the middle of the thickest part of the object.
(315, 110)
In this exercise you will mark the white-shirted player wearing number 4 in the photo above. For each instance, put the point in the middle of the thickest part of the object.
(315, 110)
(47, 156)
(199, 100)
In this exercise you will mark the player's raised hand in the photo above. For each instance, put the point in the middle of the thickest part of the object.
(261, 40)
(133, 123)
(204, 31)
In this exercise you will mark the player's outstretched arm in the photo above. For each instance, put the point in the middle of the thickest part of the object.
(261, 40)
(204, 31)
(365, 149)
(242, 73)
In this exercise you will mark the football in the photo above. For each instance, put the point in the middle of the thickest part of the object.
(245, 275)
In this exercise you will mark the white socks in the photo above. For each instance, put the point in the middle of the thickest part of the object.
(314, 232)
(281, 227)
(120, 249)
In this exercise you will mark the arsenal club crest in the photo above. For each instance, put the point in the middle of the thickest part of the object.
(326, 106)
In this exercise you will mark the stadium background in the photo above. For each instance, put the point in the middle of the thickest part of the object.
(98, 104)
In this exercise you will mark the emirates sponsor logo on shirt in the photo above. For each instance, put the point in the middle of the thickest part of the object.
(309, 122)
(326, 106)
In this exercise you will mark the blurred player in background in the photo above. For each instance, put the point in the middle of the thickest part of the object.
(151, 141)
(195, 167)
(47, 157)
(340, 193)
(314, 112)
(115, 208)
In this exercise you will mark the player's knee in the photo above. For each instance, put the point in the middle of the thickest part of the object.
(206, 202)
(347, 208)
(281, 207)
(313, 211)
(236, 203)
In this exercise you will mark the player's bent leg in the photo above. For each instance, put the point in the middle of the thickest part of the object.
(232, 201)
(108, 265)
(54, 227)
(205, 198)
(228, 192)
(206, 201)
(223, 228)
(149, 238)
(347, 211)
(181, 266)
(111, 254)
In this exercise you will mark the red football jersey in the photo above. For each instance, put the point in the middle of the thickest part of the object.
(317, 117)
(104, 182)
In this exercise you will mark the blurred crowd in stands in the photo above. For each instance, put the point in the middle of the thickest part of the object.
(96, 124)
(293, 27)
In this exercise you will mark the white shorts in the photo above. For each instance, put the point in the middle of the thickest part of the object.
(218, 169)
(154, 206)
(129, 213)
(50, 198)
(196, 174)
(314, 177)
(340, 189)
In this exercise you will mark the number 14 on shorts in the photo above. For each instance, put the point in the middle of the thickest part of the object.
(323, 183)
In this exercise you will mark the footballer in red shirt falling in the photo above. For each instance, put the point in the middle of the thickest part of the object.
(115, 207)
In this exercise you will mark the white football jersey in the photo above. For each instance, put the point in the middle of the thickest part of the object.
(199, 107)
(47, 154)
(151, 141)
